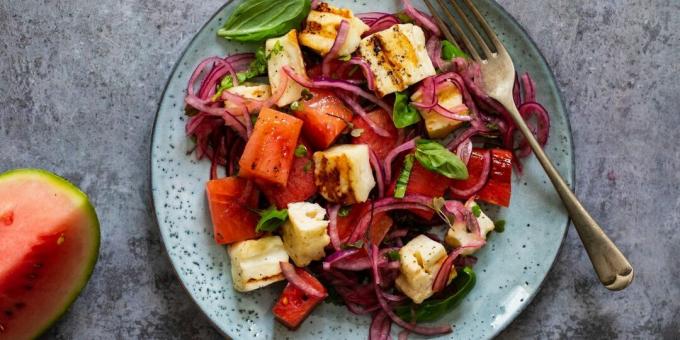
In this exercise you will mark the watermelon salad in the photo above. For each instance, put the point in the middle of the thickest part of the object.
(349, 154)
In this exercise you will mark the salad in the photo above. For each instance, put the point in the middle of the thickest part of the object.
(348, 156)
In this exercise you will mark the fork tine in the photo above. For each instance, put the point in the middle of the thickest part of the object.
(452, 20)
(440, 23)
(485, 25)
(472, 28)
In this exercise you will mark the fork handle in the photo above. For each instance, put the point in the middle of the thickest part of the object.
(611, 266)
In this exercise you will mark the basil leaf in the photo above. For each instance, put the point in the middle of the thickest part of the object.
(402, 181)
(435, 157)
(433, 309)
(450, 51)
(271, 219)
(257, 20)
(404, 114)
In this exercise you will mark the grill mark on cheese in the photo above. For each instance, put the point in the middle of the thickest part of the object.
(396, 60)
(329, 181)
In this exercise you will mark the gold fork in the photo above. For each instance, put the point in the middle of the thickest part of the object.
(498, 79)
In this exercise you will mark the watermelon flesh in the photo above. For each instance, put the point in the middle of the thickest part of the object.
(49, 242)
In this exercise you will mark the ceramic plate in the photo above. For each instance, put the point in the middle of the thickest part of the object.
(510, 268)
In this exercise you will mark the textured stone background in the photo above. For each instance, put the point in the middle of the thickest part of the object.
(80, 82)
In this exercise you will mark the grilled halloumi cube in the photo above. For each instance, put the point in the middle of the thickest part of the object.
(421, 260)
(321, 29)
(449, 97)
(343, 173)
(255, 263)
(398, 57)
(284, 51)
(305, 233)
(458, 235)
(251, 93)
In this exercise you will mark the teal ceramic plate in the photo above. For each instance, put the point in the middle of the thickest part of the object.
(511, 267)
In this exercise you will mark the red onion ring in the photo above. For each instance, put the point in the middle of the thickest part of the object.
(464, 150)
(483, 178)
(229, 119)
(368, 73)
(333, 227)
(408, 146)
(379, 174)
(363, 224)
(421, 18)
(337, 256)
(456, 208)
(442, 277)
(381, 24)
(340, 39)
(378, 326)
(434, 50)
(529, 88)
(297, 281)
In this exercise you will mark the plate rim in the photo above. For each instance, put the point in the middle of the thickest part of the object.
(560, 101)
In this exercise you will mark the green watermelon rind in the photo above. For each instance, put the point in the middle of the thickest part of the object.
(88, 209)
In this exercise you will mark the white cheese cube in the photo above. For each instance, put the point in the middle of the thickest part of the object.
(449, 97)
(421, 260)
(398, 57)
(251, 93)
(288, 54)
(305, 233)
(255, 263)
(458, 235)
(321, 29)
(343, 173)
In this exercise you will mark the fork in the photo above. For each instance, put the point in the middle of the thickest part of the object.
(498, 79)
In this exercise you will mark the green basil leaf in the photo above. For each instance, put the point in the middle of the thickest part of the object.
(450, 51)
(271, 219)
(257, 20)
(404, 114)
(402, 180)
(435, 157)
(433, 309)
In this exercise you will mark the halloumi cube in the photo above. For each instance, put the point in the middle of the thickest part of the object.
(321, 29)
(305, 233)
(398, 58)
(458, 235)
(343, 173)
(289, 54)
(255, 263)
(251, 93)
(421, 260)
(449, 97)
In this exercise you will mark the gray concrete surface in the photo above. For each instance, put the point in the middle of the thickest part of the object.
(80, 82)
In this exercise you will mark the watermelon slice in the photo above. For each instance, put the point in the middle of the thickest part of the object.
(49, 241)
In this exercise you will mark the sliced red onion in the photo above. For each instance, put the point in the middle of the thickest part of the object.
(444, 272)
(229, 119)
(356, 108)
(456, 208)
(297, 281)
(366, 69)
(397, 233)
(464, 150)
(315, 4)
(379, 175)
(361, 227)
(403, 335)
(455, 113)
(434, 50)
(333, 228)
(381, 24)
(529, 88)
(374, 264)
(197, 72)
(377, 326)
(279, 93)
(394, 298)
(471, 223)
(429, 94)
(359, 310)
(338, 256)
(542, 119)
(336, 84)
(408, 146)
(467, 134)
(516, 92)
(483, 178)
(421, 18)
(340, 39)
(371, 17)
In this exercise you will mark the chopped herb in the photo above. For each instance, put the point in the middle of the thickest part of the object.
(301, 151)
(403, 114)
(278, 48)
(492, 126)
(344, 211)
(358, 244)
(257, 68)
(271, 219)
(253, 119)
(404, 18)
(296, 106)
(345, 57)
(476, 210)
(393, 255)
(499, 226)
(356, 133)
(307, 95)
(308, 166)
(402, 180)
(450, 51)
